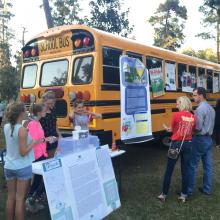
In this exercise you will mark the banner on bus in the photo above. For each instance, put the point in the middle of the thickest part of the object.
(157, 81)
(135, 101)
(170, 69)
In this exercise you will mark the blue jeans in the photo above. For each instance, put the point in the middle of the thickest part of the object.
(185, 156)
(202, 150)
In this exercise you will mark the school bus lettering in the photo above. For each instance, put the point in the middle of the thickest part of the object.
(55, 44)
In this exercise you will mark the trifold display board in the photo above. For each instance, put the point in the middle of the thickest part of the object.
(81, 185)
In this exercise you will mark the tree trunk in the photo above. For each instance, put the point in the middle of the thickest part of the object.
(48, 14)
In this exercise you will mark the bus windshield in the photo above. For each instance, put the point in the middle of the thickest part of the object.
(29, 76)
(54, 73)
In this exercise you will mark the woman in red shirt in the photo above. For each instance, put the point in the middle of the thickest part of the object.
(182, 126)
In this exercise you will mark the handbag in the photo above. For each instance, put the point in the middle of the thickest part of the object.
(175, 147)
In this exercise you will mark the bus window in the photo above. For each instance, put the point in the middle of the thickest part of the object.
(54, 73)
(152, 63)
(201, 79)
(111, 65)
(134, 55)
(209, 80)
(192, 71)
(182, 68)
(216, 83)
(82, 73)
(29, 76)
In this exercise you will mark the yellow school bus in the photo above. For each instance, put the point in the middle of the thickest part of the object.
(77, 61)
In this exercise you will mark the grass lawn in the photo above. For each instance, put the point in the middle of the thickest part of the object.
(142, 168)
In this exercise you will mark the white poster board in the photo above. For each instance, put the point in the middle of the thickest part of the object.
(188, 82)
(135, 101)
(202, 81)
(170, 70)
(215, 83)
(89, 179)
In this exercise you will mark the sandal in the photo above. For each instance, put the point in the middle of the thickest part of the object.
(162, 197)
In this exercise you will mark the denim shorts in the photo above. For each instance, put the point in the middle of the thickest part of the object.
(20, 174)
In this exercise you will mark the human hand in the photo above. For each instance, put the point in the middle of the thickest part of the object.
(167, 128)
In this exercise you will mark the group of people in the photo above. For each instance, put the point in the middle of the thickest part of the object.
(191, 134)
(30, 138)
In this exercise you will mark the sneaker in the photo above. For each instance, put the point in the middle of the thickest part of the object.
(182, 199)
(162, 197)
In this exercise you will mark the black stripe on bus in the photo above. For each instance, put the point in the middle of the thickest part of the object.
(157, 111)
(117, 102)
(175, 109)
(109, 87)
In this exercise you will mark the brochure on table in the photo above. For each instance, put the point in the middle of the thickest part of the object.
(81, 185)
(135, 101)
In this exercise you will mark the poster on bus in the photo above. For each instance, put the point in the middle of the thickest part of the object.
(215, 84)
(135, 101)
(188, 82)
(170, 70)
(157, 82)
(202, 81)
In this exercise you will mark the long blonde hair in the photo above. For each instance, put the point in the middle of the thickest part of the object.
(184, 103)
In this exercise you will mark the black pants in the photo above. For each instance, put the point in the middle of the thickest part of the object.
(37, 184)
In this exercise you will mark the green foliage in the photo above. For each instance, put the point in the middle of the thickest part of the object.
(65, 12)
(106, 15)
(9, 82)
(207, 54)
(169, 22)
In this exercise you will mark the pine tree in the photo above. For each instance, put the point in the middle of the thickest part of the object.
(211, 12)
(65, 12)
(169, 23)
(106, 15)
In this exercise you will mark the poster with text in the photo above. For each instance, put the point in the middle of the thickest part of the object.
(188, 82)
(202, 81)
(81, 186)
(157, 82)
(170, 70)
(215, 84)
(135, 101)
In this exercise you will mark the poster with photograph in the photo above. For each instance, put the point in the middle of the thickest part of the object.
(170, 70)
(188, 82)
(135, 101)
(157, 82)
(215, 83)
(202, 81)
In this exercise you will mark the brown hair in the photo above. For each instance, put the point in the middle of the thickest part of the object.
(48, 95)
(35, 108)
(13, 112)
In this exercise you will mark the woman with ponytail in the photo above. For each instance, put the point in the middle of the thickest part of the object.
(18, 161)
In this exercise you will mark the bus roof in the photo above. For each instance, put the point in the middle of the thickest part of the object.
(157, 51)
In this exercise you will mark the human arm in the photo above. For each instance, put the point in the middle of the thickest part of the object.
(95, 115)
(24, 147)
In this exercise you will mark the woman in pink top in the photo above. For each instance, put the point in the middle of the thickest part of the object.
(35, 130)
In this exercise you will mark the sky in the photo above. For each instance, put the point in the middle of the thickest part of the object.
(28, 14)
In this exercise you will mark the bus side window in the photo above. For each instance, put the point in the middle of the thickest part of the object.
(216, 82)
(152, 63)
(209, 80)
(82, 73)
(192, 71)
(170, 77)
(201, 79)
(134, 55)
(182, 68)
(111, 65)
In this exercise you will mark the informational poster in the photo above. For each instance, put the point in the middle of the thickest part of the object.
(202, 81)
(215, 83)
(188, 82)
(170, 70)
(157, 82)
(135, 101)
(89, 179)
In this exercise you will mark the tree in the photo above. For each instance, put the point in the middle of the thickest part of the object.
(9, 83)
(207, 54)
(211, 12)
(106, 15)
(47, 11)
(65, 12)
(169, 23)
